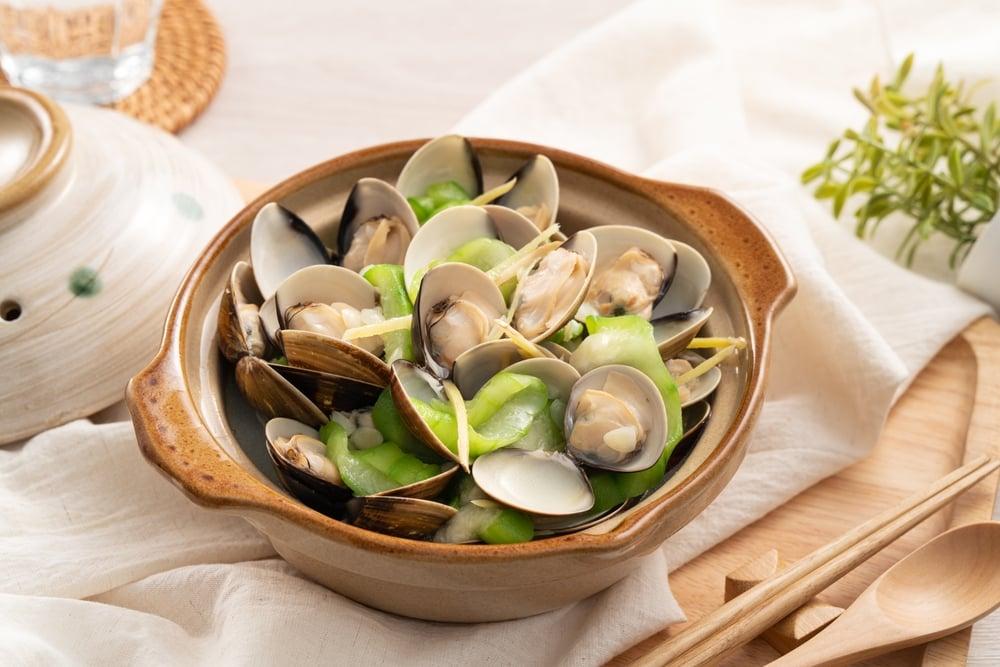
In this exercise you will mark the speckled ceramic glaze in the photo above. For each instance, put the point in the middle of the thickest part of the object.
(192, 424)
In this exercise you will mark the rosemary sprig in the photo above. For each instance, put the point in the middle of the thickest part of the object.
(932, 157)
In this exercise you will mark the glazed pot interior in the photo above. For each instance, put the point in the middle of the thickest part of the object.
(319, 196)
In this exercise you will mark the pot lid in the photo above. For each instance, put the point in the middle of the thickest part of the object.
(91, 252)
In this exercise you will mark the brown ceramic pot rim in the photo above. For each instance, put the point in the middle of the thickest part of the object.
(48, 157)
(174, 439)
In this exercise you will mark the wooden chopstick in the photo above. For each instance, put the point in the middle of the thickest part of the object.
(749, 614)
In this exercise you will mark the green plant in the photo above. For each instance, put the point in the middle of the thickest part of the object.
(932, 157)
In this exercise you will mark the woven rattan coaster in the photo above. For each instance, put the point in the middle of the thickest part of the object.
(187, 72)
(190, 61)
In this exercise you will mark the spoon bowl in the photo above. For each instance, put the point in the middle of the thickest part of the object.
(944, 586)
(946, 582)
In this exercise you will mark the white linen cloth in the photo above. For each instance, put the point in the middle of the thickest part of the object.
(102, 561)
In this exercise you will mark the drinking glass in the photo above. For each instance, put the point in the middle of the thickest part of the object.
(94, 51)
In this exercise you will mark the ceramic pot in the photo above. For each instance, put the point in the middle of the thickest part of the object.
(193, 426)
(99, 218)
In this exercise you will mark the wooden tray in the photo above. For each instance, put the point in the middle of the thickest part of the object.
(950, 414)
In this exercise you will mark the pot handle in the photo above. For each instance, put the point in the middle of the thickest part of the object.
(765, 281)
(172, 437)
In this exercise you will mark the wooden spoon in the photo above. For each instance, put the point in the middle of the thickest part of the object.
(944, 586)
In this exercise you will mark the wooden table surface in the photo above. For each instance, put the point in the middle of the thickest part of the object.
(924, 438)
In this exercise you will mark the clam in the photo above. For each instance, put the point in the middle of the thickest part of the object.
(269, 320)
(299, 459)
(690, 285)
(641, 273)
(447, 158)
(534, 481)
(376, 226)
(301, 462)
(410, 382)
(535, 195)
(454, 227)
(315, 306)
(281, 243)
(272, 395)
(308, 396)
(552, 291)
(673, 332)
(330, 392)
(694, 417)
(453, 312)
(634, 269)
(546, 526)
(474, 367)
(412, 518)
(700, 387)
(241, 331)
(615, 420)
(478, 364)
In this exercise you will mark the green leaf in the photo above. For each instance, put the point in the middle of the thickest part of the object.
(838, 201)
(903, 72)
(861, 184)
(834, 145)
(986, 128)
(814, 172)
(955, 164)
(827, 190)
(982, 202)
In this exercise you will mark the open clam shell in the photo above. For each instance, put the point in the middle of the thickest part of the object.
(412, 518)
(632, 392)
(534, 481)
(269, 320)
(477, 365)
(694, 418)
(702, 386)
(547, 526)
(425, 489)
(294, 473)
(272, 395)
(453, 312)
(373, 200)
(308, 396)
(447, 158)
(567, 298)
(409, 382)
(612, 242)
(281, 243)
(536, 193)
(673, 332)
(320, 350)
(456, 226)
(241, 331)
(330, 392)
(690, 285)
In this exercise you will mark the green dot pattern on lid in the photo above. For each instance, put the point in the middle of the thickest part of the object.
(187, 206)
(84, 282)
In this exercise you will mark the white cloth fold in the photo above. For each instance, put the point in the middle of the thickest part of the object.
(103, 561)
